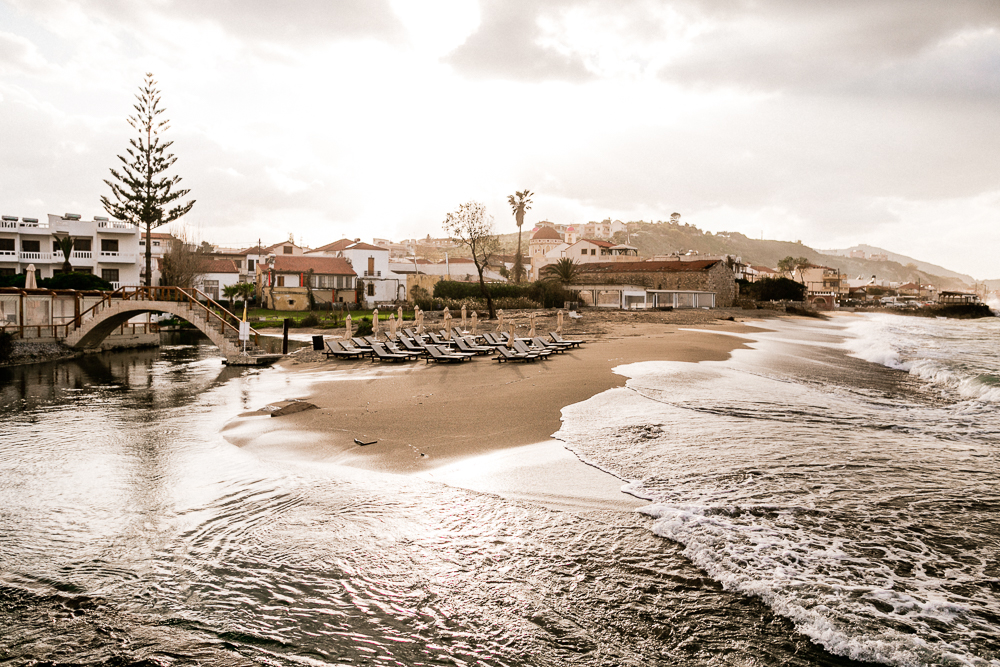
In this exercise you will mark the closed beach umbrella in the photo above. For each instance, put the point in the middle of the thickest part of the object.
(419, 317)
(375, 323)
(399, 316)
(531, 319)
(559, 321)
(447, 323)
(510, 340)
(392, 327)
(349, 326)
(29, 278)
(475, 322)
(500, 318)
(464, 319)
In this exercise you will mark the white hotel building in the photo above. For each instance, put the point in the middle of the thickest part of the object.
(105, 248)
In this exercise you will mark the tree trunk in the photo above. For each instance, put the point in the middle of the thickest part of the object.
(485, 292)
(518, 267)
(149, 255)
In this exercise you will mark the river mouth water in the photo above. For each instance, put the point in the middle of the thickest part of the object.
(132, 533)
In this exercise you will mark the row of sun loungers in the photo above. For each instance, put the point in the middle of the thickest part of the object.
(432, 346)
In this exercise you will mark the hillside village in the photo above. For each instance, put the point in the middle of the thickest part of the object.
(615, 264)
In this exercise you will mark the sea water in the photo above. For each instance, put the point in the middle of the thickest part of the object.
(847, 473)
(807, 505)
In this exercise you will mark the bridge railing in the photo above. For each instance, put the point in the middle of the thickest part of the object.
(193, 297)
(57, 331)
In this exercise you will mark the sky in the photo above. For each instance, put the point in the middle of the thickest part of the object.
(833, 123)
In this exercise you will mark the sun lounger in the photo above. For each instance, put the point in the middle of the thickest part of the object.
(413, 346)
(360, 343)
(543, 344)
(437, 339)
(437, 354)
(559, 339)
(493, 340)
(334, 349)
(351, 347)
(380, 352)
(519, 346)
(505, 354)
(464, 345)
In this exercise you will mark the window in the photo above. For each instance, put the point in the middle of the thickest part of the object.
(281, 281)
(583, 252)
(324, 282)
(250, 264)
(31, 246)
(109, 245)
(156, 244)
(142, 243)
(211, 288)
(8, 272)
(287, 249)
(83, 269)
(7, 244)
(83, 245)
(593, 251)
(371, 289)
(111, 275)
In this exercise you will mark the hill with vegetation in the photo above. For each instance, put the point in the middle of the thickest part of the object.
(664, 238)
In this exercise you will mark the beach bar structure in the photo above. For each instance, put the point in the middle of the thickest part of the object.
(635, 297)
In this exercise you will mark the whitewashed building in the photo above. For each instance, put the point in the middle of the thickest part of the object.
(371, 263)
(106, 248)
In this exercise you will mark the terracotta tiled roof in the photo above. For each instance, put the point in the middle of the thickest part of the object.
(647, 267)
(546, 233)
(326, 266)
(217, 266)
(599, 243)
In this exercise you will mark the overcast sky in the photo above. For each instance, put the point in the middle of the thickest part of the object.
(834, 123)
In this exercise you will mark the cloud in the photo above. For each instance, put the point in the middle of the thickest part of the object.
(290, 22)
(19, 55)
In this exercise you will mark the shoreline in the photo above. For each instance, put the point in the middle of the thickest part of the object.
(480, 425)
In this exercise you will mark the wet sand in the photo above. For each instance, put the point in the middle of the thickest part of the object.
(481, 424)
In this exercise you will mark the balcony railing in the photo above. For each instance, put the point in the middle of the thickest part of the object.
(111, 256)
(8, 255)
(115, 225)
(83, 254)
(373, 274)
(8, 224)
(36, 256)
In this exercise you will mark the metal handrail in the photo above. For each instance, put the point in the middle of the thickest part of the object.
(144, 293)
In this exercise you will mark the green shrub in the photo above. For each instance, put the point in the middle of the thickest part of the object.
(773, 289)
(309, 320)
(544, 293)
(77, 281)
(364, 327)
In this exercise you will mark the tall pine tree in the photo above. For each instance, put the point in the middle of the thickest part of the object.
(142, 192)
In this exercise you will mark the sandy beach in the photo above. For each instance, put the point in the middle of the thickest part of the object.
(482, 425)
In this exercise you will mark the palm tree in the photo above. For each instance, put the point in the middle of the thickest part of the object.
(65, 245)
(519, 203)
(564, 271)
(242, 290)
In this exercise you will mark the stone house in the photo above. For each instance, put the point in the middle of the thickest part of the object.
(712, 275)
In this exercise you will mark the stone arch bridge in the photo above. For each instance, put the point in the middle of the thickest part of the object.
(103, 319)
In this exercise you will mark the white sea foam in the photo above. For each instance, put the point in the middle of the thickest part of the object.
(803, 495)
(954, 355)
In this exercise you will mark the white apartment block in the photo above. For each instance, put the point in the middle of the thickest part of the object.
(103, 247)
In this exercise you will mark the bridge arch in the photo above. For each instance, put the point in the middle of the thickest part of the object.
(92, 333)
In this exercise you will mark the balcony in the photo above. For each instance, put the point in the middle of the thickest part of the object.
(8, 255)
(8, 224)
(373, 274)
(116, 257)
(115, 226)
(35, 256)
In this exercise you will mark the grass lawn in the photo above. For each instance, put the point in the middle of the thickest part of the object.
(327, 319)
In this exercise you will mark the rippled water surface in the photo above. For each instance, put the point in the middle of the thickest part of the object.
(132, 533)
(857, 495)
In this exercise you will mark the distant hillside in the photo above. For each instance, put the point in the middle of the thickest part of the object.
(662, 238)
(926, 267)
